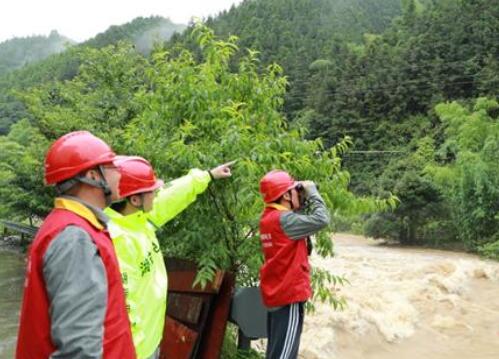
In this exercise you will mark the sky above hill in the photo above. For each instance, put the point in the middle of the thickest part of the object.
(82, 19)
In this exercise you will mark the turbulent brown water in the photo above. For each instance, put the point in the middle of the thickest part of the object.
(406, 303)
(403, 303)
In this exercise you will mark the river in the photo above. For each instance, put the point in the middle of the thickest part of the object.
(406, 303)
(402, 303)
(11, 283)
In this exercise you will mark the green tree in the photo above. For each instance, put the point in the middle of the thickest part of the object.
(22, 194)
(295, 33)
(420, 199)
(215, 115)
(142, 32)
(434, 53)
(469, 177)
(197, 113)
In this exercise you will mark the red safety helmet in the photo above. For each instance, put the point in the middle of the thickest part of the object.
(274, 184)
(137, 176)
(74, 153)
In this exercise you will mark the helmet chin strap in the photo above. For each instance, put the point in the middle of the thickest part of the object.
(105, 187)
(102, 183)
(65, 186)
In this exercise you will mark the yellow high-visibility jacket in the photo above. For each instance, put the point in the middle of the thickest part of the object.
(141, 262)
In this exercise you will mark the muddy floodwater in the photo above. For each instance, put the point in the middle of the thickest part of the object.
(406, 303)
(402, 303)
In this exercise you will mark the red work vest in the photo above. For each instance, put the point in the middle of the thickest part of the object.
(285, 274)
(34, 340)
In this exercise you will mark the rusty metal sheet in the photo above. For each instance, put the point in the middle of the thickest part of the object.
(185, 307)
(182, 282)
(214, 332)
(178, 340)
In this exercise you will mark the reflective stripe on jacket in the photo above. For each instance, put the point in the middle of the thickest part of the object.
(141, 262)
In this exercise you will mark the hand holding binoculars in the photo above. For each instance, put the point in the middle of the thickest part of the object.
(304, 185)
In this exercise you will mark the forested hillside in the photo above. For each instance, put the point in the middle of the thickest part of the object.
(384, 93)
(296, 33)
(18, 52)
(414, 84)
(142, 32)
(375, 71)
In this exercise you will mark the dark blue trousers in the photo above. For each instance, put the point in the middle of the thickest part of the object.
(284, 327)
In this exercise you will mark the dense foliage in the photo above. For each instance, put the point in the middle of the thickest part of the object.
(296, 33)
(448, 192)
(446, 52)
(468, 171)
(379, 81)
(400, 96)
(375, 71)
(180, 113)
(142, 32)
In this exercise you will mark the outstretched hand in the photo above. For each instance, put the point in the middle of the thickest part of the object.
(222, 171)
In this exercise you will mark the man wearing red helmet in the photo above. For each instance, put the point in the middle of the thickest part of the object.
(147, 205)
(73, 301)
(285, 274)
